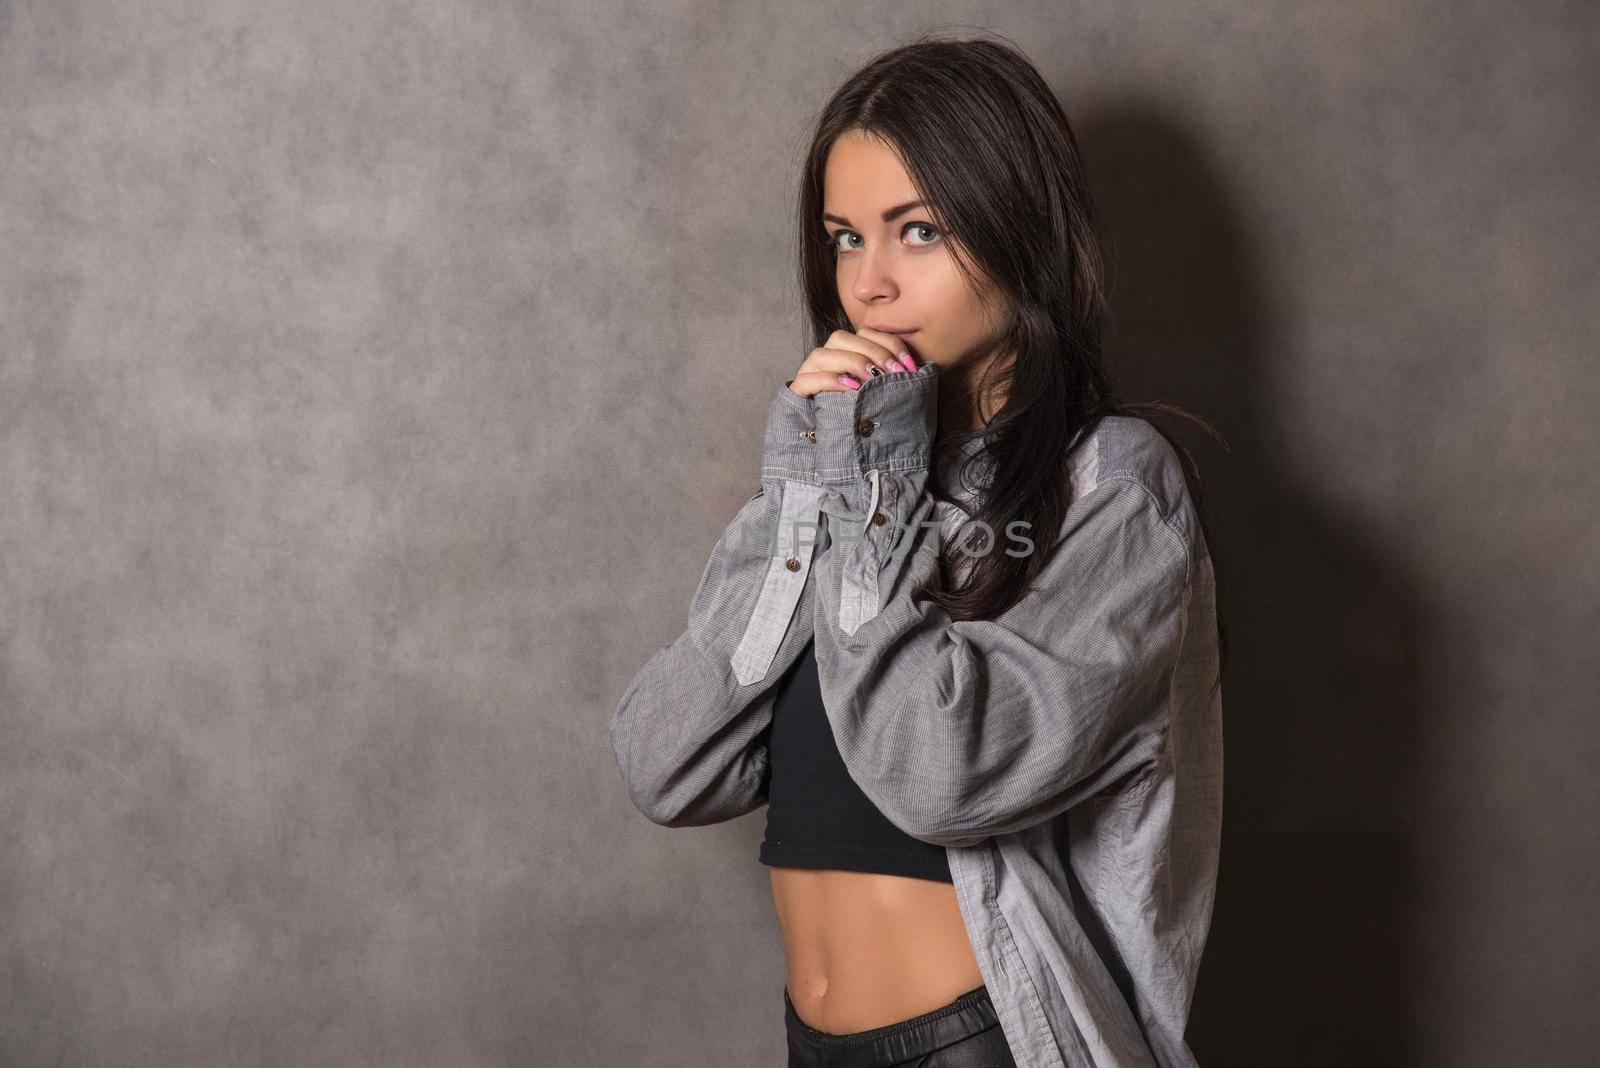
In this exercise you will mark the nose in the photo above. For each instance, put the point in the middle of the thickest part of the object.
(874, 280)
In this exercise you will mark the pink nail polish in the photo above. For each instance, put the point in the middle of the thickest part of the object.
(905, 358)
(852, 383)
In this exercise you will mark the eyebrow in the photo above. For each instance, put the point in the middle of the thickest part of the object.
(888, 216)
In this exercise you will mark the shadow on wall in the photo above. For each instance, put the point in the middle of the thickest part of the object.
(1309, 928)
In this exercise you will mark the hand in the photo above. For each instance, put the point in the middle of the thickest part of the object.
(848, 359)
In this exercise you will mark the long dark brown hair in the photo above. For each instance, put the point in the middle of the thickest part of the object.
(988, 147)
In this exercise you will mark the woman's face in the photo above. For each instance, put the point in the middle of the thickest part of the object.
(897, 273)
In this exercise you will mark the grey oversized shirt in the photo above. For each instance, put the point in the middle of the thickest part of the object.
(1067, 754)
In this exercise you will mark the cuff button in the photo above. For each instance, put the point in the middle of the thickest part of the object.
(864, 428)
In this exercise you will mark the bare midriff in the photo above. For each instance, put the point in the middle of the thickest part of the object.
(865, 950)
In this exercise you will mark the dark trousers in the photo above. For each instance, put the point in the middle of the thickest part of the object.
(963, 1034)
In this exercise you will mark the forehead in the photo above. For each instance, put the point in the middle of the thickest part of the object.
(864, 173)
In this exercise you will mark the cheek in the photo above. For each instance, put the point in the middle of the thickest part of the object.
(955, 306)
(926, 281)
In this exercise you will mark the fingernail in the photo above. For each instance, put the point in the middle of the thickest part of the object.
(874, 370)
(905, 358)
(852, 383)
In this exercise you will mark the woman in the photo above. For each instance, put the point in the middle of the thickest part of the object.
(993, 762)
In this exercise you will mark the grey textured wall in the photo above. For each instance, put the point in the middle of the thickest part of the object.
(376, 378)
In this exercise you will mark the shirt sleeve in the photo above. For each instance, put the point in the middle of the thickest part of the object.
(690, 731)
(963, 729)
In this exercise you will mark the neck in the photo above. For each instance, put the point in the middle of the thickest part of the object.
(960, 407)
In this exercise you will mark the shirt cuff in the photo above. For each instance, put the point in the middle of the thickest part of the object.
(838, 436)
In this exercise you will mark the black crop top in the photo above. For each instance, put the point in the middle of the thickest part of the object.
(817, 817)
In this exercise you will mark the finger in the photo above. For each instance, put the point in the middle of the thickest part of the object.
(874, 345)
(895, 348)
(810, 383)
(841, 361)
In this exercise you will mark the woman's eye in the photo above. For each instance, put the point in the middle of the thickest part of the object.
(930, 235)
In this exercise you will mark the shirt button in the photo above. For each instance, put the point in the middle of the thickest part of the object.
(792, 564)
(811, 435)
(864, 428)
(879, 518)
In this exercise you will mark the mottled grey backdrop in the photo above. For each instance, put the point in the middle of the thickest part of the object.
(376, 378)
